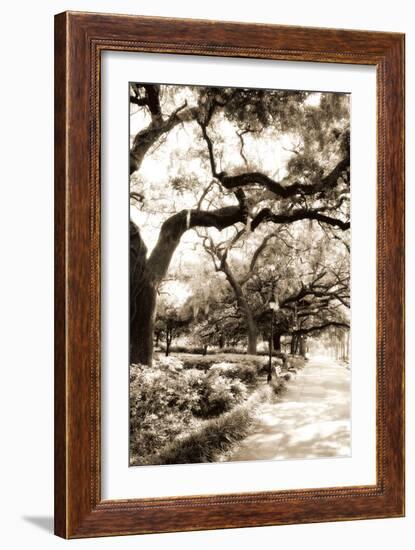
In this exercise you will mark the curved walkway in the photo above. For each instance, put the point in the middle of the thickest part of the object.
(311, 420)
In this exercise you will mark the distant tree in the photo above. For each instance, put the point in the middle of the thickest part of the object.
(222, 327)
(170, 323)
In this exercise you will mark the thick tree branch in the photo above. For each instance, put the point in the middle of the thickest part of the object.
(241, 298)
(140, 101)
(147, 137)
(256, 255)
(245, 179)
(257, 178)
(153, 100)
(209, 144)
(250, 178)
(323, 326)
(318, 294)
(266, 215)
(173, 228)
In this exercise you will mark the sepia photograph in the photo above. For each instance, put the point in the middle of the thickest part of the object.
(239, 267)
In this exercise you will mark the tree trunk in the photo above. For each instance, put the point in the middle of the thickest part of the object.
(157, 338)
(147, 274)
(302, 345)
(143, 295)
(293, 344)
(252, 335)
(142, 325)
(169, 338)
(277, 341)
(347, 345)
(269, 375)
(251, 327)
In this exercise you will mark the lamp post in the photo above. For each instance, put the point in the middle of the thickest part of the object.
(294, 330)
(273, 307)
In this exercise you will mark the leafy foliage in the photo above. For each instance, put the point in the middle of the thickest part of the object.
(212, 438)
(166, 400)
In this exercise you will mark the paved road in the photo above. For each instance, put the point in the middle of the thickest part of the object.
(311, 420)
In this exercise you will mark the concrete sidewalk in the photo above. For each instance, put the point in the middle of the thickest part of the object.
(311, 420)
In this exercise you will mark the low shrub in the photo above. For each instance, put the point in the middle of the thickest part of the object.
(279, 354)
(246, 373)
(207, 361)
(294, 363)
(175, 405)
(167, 400)
(217, 436)
(218, 394)
(188, 349)
(238, 351)
(162, 399)
(201, 362)
(277, 385)
(277, 365)
(212, 438)
(175, 349)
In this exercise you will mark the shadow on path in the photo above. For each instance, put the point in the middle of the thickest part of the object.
(311, 420)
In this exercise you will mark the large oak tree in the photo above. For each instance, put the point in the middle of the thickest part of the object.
(229, 170)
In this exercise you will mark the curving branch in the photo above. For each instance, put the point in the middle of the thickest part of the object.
(283, 191)
(256, 255)
(216, 253)
(277, 188)
(173, 228)
(203, 127)
(286, 191)
(266, 215)
(323, 326)
(158, 126)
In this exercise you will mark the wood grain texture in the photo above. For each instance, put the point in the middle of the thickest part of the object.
(60, 277)
(79, 39)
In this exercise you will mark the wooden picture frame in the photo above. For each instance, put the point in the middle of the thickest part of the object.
(79, 40)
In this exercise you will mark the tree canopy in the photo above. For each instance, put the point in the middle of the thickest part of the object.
(238, 196)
